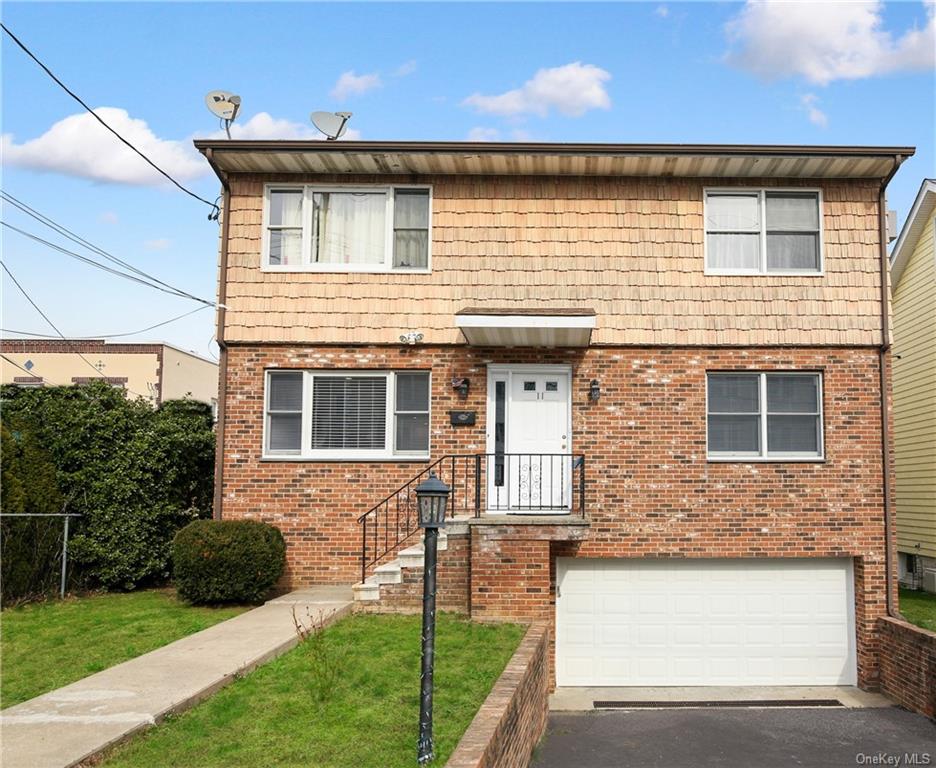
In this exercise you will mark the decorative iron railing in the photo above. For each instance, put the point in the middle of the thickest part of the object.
(505, 483)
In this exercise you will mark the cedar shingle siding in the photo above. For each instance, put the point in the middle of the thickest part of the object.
(631, 249)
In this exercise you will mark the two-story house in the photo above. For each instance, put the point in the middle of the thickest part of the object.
(654, 376)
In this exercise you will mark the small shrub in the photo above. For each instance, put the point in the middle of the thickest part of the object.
(227, 561)
(325, 662)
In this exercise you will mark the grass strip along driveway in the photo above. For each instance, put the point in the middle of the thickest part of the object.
(919, 608)
(347, 700)
(48, 645)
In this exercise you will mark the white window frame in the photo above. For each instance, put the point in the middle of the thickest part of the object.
(306, 216)
(762, 203)
(305, 452)
(763, 455)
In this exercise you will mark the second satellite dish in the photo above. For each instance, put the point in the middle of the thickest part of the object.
(225, 106)
(332, 124)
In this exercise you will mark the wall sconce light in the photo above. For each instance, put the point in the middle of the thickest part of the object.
(594, 391)
(461, 386)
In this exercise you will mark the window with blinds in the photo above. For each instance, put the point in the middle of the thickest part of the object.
(346, 229)
(366, 415)
(349, 413)
(765, 415)
(763, 231)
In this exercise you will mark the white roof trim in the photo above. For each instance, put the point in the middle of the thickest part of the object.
(525, 321)
(912, 229)
(526, 330)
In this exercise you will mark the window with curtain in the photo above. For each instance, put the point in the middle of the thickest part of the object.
(353, 415)
(284, 228)
(354, 229)
(764, 415)
(762, 231)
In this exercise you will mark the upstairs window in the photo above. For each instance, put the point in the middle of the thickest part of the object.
(765, 415)
(763, 232)
(347, 415)
(343, 229)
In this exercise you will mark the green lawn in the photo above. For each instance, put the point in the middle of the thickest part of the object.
(919, 608)
(48, 645)
(368, 717)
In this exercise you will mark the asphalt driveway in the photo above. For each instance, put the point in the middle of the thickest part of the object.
(737, 738)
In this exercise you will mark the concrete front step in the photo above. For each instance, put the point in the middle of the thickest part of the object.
(410, 558)
(388, 573)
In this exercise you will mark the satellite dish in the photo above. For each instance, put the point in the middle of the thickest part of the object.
(224, 106)
(332, 124)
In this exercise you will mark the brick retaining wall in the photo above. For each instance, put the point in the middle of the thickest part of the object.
(513, 717)
(908, 665)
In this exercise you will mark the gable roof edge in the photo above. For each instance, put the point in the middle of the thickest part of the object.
(913, 227)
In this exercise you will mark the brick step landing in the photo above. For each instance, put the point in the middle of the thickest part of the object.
(407, 561)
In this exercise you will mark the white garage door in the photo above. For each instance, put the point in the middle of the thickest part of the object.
(705, 622)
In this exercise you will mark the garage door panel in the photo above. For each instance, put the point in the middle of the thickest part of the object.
(616, 604)
(705, 622)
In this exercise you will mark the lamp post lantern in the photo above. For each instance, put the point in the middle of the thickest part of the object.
(431, 502)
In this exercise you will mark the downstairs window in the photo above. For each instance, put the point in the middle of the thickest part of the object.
(765, 416)
(346, 415)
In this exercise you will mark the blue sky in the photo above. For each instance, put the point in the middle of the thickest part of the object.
(846, 73)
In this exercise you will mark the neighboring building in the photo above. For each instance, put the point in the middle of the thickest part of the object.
(654, 377)
(913, 285)
(157, 372)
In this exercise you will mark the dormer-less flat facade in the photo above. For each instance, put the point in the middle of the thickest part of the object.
(652, 376)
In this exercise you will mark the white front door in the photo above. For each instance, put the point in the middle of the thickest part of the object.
(529, 440)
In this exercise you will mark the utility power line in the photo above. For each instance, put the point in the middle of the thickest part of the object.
(106, 335)
(45, 317)
(111, 270)
(65, 232)
(214, 208)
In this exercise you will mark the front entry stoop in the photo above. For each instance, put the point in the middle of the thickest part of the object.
(406, 567)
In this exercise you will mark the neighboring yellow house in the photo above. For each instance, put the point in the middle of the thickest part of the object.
(156, 372)
(913, 281)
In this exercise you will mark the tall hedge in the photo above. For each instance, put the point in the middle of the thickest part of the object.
(30, 547)
(136, 474)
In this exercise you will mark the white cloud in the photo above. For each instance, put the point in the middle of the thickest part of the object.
(662, 11)
(826, 41)
(109, 217)
(816, 116)
(159, 244)
(406, 68)
(573, 90)
(80, 146)
(350, 84)
(483, 134)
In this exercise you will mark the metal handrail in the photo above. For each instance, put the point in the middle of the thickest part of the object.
(529, 482)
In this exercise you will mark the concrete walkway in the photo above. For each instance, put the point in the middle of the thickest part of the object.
(63, 727)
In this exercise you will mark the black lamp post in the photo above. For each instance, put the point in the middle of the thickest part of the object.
(431, 501)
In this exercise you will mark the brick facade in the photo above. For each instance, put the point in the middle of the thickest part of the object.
(650, 490)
